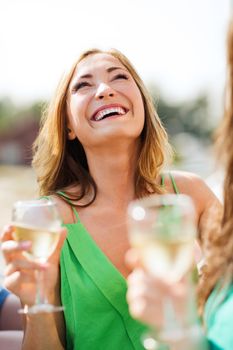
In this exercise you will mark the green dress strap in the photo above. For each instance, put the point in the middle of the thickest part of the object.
(174, 185)
(176, 190)
(62, 194)
(162, 180)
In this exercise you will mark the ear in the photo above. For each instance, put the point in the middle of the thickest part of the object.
(70, 133)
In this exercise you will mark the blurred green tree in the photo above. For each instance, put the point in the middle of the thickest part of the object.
(10, 114)
(191, 116)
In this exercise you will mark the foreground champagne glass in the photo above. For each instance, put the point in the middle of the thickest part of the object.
(2, 268)
(37, 221)
(163, 230)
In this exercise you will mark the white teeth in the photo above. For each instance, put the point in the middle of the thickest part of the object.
(100, 115)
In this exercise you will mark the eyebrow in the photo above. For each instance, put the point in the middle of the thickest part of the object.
(109, 70)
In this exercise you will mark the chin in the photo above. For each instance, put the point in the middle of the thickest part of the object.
(121, 132)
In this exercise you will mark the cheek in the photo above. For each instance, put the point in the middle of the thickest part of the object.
(76, 112)
(77, 121)
(139, 107)
(136, 98)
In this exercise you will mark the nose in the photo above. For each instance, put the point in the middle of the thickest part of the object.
(103, 91)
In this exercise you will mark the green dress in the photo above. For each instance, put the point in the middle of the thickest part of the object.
(93, 292)
(219, 319)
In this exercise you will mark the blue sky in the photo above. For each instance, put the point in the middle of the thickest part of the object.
(178, 45)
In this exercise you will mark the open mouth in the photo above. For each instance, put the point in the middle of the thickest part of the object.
(109, 112)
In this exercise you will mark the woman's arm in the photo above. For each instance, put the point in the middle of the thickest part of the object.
(206, 203)
(46, 331)
(41, 331)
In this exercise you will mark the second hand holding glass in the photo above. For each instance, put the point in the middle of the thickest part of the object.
(163, 229)
(37, 221)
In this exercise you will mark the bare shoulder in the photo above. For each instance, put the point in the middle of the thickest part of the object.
(194, 186)
(205, 201)
(64, 208)
(188, 182)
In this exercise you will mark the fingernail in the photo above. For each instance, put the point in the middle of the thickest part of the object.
(25, 244)
(44, 266)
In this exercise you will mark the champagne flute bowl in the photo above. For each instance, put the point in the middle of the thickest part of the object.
(37, 221)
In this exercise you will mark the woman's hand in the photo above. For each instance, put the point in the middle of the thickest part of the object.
(147, 294)
(20, 270)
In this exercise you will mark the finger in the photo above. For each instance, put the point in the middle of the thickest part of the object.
(18, 265)
(143, 282)
(136, 292)
(15, 281)
(13, 246)
(6, 233)
(145, 307)
(142, 276)
(137, 307)
(13, 249)
(132, 258)
(142, 289)
(137, 284)
(137, 276)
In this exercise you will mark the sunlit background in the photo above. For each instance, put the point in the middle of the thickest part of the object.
(177, 46)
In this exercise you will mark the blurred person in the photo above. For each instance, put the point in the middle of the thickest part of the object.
(215, 290)
(11, 333)
(100, 146)
(9, 318)
(4, 293)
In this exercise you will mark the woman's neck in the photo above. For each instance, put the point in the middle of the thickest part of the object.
(113, 170)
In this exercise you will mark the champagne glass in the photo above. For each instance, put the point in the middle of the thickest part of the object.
(163, 229)
(2, 267)
(37, 221)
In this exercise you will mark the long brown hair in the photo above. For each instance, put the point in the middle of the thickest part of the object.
(219, 241)
(60, 163)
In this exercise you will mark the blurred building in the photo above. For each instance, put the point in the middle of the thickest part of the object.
(16, 142)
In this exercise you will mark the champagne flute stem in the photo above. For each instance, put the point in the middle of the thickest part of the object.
(170, 319)
(172, 330)
(40, 290)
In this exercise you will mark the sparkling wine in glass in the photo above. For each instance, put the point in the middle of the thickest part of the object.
(163, 230)
(37, 221)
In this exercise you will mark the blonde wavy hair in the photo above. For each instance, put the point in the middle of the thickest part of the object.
(60, 163)
(219, 240)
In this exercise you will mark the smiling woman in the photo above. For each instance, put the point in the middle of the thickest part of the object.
(100, 146)
(80, 98)
(87, 104)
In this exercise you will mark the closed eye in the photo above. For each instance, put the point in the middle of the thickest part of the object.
(120, 76)
(80, 85)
